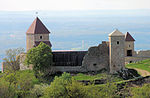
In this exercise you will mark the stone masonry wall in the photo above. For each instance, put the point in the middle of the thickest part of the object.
(45, 37)
(143, 53)
(29, 41)
(129, 45)
(116, 54)
(134, 59)
(97, 58)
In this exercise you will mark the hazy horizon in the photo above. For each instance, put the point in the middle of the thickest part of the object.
(75, 30)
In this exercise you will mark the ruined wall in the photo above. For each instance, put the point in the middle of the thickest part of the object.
(97, 58)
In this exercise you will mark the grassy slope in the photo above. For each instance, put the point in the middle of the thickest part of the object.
(81, 76)
(144, 65)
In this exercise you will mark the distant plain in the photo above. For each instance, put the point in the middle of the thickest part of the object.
(75, 30)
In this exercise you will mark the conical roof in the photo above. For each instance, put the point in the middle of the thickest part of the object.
(37, 27)
(116, 33)
(128, 37)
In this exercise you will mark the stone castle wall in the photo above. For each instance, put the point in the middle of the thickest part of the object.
(143, 53)
(97, 58)
(138, 56)
(134, 59)
(29, 41)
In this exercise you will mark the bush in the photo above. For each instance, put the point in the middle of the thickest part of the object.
(38, 90)
(65, 87)
(22, 82)
(7, 90)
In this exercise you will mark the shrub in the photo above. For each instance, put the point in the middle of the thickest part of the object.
(7, 90)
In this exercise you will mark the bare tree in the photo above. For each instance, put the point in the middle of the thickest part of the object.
(11, 60)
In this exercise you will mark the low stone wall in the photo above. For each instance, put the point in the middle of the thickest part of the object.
(68, 68)
(143, 53)
(134, 59)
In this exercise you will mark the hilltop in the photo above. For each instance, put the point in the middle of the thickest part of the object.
(143, 67)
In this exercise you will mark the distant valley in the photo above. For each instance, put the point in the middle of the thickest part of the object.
(75, 30)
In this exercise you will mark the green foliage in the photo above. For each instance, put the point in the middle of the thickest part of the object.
(141, 92)
(41, 59)
(58, 87)
(6, 89)
(65, 87)
(20, 82)
(38, 90)
(144, 65)
(11, 61)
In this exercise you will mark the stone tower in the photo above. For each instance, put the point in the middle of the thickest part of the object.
(116, 51)
(129, 45)
(37, 33)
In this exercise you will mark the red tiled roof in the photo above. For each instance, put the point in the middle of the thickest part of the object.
(37, 27)
(128, 37)
(36, 43)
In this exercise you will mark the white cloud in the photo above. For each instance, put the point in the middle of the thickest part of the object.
(73, 4)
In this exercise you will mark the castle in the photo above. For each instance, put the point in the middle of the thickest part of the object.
(111, 56)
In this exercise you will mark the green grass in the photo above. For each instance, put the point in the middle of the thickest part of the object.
(81, 76)
(144, 65)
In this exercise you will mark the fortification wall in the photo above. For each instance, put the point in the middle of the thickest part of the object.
(97, 58)
(138, 56)
(143, 53)
(68, 68)
(64, 61)
(134, 59)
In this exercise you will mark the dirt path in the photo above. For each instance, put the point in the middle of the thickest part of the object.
(143, 72)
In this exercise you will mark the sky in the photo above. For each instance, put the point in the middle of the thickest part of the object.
(24, 5)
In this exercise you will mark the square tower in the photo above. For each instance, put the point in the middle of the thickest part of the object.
(37, 33)
(116, 51)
